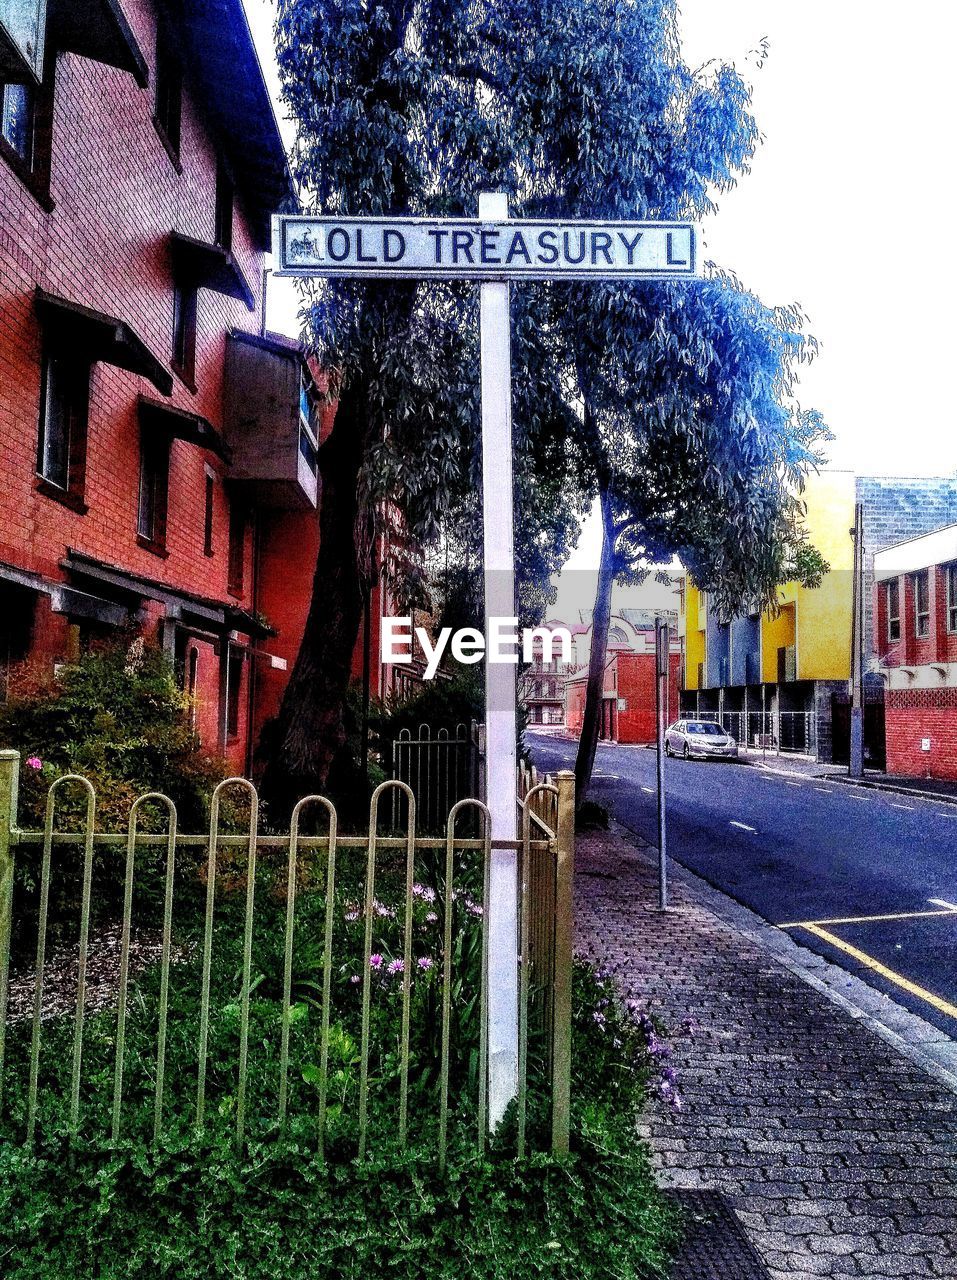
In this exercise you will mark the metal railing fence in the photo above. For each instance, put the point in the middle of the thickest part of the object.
(301, 889)
(786, 731)
(441, 770)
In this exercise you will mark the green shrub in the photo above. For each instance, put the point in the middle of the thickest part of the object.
(118, 716)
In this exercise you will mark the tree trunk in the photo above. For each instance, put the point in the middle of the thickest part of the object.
(309, 730)
(601, 619)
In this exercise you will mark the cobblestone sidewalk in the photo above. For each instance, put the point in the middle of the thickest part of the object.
(838, 1153)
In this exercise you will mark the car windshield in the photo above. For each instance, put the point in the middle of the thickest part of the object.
(706, 727)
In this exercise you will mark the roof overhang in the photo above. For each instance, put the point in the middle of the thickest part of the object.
(98, 30)
(209, 266)
(179, 424)
(98, 337)
(939, 547)
(218, 617)
(228, 80)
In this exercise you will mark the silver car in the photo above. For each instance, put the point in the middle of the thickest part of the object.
(702, 738)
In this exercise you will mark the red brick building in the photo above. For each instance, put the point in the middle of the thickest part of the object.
(628, 702)
(159, 454)
(915, 634)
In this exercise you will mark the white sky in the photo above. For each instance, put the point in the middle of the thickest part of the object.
(839, 212)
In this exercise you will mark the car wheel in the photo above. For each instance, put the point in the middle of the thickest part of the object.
(686, 754)
(668, 751)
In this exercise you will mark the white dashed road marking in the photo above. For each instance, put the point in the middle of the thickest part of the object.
(942, 902)
(743, 826)
(908, 808)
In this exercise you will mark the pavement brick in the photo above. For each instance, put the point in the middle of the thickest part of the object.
(838, 1154)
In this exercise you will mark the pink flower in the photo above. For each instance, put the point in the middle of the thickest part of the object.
(425, 962)
(34, 762)
(375, 961)
(396, 966)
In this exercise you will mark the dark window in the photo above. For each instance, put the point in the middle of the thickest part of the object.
(894, 609)
(952, 596)
(922, 603)
(234, 682)
(64, 408)
(237, 548)
(154, 490)
(185, 300)
(224, 207)
(17, 608)
(208, 514)
(169, 93)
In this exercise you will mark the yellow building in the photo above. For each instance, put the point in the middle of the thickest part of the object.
(771, 678)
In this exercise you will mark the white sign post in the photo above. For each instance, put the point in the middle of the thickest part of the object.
(491, 251)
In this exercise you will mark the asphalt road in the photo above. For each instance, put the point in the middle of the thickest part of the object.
(818, 856)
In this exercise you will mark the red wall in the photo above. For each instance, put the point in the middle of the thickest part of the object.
(922, 713)
(630, 676)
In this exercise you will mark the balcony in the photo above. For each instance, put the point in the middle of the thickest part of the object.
(271, 422)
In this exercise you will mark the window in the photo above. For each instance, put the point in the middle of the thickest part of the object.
(951, 572)
(224, 206)
(154, 491)
(308, 442)
(26, 133)
(237, 549)
(17, 609)
(192, 667)
(64, 407)
(185, 300)
(16, 122)
(168, 109)
(922, 603)
(234, 683)
(894, 609)
(208, 513)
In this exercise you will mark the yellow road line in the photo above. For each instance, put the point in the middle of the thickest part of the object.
(900, 915)
(936, 1002)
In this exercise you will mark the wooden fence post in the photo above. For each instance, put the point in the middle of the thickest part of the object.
(564, 930)
(9, 785)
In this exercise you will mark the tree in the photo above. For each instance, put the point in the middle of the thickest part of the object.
(672, 404)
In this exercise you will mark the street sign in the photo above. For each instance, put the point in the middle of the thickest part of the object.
(492, 251)
(499, 249)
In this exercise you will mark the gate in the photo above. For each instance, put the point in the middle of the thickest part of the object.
(330, 985)
(441, 770)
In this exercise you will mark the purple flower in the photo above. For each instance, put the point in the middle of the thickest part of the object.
(355, 979)
(599, 1017)
(396, 966)
(352, 914)
(431, 917)
(34, 762)
(375, 961)
(424, 892)
(424, 963)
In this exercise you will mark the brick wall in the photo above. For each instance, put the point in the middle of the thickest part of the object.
(897, 508)
(116, 196)
(914, 715)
